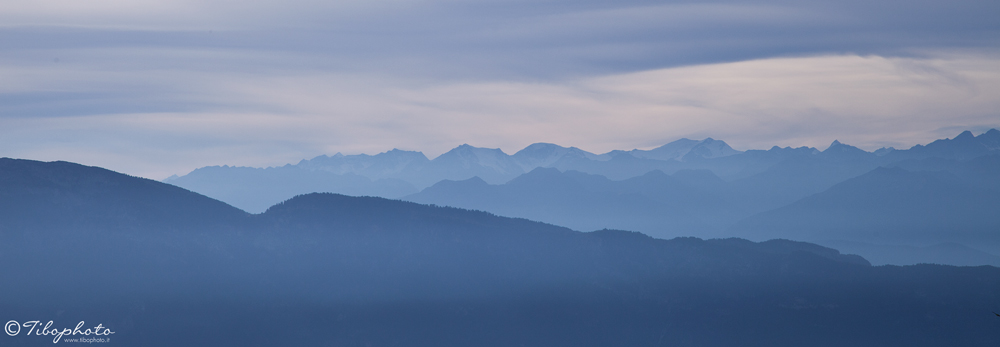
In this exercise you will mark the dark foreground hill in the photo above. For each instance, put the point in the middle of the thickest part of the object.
(164, 267)
(62, 196)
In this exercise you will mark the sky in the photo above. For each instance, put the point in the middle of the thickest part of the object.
(155, 88)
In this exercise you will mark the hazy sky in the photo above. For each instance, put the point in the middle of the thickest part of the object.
(155, 87)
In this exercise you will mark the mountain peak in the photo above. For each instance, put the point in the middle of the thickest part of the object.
(990, 139)
(840, 146)
(466, 149)
(546, 154)
(541, 149)
(395, 152)
(490, 164)
(541, 146)
(839, 149)
(709, 148)
(686, 149)
(883, 151)
(965, 135)
(964, 146)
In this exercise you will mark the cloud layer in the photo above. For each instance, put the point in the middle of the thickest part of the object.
(155, 88)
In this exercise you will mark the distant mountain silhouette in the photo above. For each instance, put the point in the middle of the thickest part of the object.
(686, 150)
(684, 188)
(962, 147)
(547, 154)
(492, 165)
(801, 175)
(980, 172)
(889, 206)
(164, 267)
(254, 190)
(942, 253)
(395, 164)
(397, 173)
(654, 203)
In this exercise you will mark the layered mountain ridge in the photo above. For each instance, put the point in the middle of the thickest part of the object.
(685, 188)
(398, 173)
(143, 258)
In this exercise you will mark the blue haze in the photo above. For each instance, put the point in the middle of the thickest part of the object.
(907, 200)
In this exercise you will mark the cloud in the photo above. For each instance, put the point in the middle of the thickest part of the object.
(155, 87)
(281, 117)
(510, 40)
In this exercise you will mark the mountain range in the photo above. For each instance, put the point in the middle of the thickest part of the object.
(398, 173)
(940, 196)
(934, 203)
(163, 266)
